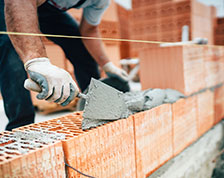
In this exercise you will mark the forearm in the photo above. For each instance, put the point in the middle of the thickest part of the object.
(21, 16)
(95, 47)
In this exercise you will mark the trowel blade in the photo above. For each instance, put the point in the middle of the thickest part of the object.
(103, 102)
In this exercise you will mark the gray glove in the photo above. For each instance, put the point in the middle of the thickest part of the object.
(113, 71)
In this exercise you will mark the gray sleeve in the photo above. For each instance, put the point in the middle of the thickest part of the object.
(93, 13)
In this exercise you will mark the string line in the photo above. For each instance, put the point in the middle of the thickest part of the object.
(98, 38)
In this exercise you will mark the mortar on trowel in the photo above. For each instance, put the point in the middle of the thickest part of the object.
(102, 101)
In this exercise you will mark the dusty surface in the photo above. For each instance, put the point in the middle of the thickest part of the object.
(23, 141)
(197, 161)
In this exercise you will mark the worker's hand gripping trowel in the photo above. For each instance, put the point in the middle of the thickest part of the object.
(102, 101)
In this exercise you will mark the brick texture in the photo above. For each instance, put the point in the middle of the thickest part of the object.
(205, 111)
(179, 68)
(164, 20)
(184, 123)
(18, 157)
(107, 151)
(153, 135)
(219, 104)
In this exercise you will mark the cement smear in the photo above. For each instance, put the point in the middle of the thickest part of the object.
(116, 105)
(104, 102)
(22, 141)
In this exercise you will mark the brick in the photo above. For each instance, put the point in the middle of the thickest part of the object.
(219, 103)
(180, 68)
(220, 20)
(87, 151)
(18, 157)
(153, 136)
(211, 65)
(6, 169)
(205, 111)
(30, 165)
(184, 123)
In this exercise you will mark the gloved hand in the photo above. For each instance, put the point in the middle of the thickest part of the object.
(56, 84)
(113, 71)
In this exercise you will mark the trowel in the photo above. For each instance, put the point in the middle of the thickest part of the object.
(103, 102)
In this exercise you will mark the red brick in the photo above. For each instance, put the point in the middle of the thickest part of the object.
(6, 169)
(219, 104)
(211, 64)
(87, 151)
(30, 165)
(205, 111)
(153, 136)
(184, 123)
(179, 68)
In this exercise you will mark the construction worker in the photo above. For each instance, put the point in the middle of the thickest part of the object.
(49, 17)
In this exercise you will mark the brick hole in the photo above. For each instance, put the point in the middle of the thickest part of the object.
(76, 131)
(11, 148)
(104, 31)
(1, 160)
(27, 147)
(8, 157)
(74, 128)
(11, 153)
(6, 132)
(55, 128)
(6, 135)
(25, 143)
(6, 143)
(1, 154)
(41, 143)
(179, 9)
(66, 121)
(37, 127)
(187, 7)
(63, 132)
(68, 125)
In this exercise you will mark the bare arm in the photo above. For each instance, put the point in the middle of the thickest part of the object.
(95, 47)
(21, 16)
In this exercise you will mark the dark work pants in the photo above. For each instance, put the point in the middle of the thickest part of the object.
(17, 101)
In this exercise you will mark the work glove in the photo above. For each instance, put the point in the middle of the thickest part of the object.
(113, 71)
(55, 83)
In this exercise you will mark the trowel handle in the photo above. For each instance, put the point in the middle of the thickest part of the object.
(81, 95)
(31, 85)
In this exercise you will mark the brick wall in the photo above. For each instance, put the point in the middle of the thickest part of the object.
(132, 147)
(187, 69)
(163, 21)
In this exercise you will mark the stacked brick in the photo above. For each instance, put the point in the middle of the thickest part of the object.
(132, 147)
(219, 32)
(107, 151)
(21, 156)
(153, 137)
(163, 21)
(187, 68)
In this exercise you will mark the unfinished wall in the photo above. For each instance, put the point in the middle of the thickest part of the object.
(163, 21)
